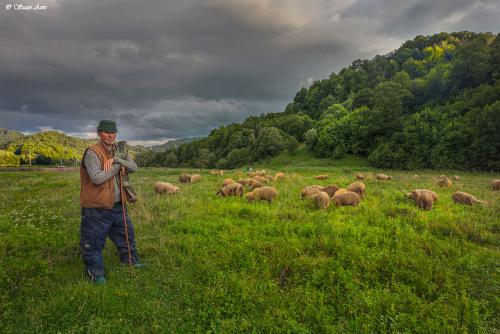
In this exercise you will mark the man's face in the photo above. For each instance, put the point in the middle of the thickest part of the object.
(107, 138)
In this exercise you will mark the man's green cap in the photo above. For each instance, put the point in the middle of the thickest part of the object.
(107, 126)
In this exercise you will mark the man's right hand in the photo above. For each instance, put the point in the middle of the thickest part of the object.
(108, 164)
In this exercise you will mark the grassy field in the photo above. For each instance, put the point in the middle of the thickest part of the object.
(221, 265)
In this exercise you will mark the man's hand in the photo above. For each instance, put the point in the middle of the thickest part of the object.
(108, 164)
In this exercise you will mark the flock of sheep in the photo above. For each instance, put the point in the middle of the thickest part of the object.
(258, 182)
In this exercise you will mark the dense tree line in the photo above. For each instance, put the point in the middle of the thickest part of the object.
(432, 103)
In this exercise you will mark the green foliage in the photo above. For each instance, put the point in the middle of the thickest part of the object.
(7, 136)
(8, 158)
(423, 105)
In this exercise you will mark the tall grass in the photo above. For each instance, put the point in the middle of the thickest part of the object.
(225, 265)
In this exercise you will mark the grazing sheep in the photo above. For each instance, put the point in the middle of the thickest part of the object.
(360, 176)
(322, 200)
(465, 198)
(456, 177)
(424, 200)
(257, 173)
(244, 182)
(495, 184)
(444, 182)
(309, 191)
(185, 178)
(415, 193)
(216, 172)
(166, 188)
(227, 181)
(330, 190)
(232, 189)
(415, 177)
(255, 184)
(383, 177)
(357, 187)
(321, 177)
(270, 178)
(279, 176)
(340, 191)
(346, 198)
(260, 179)
(195, 178)
(262, 194)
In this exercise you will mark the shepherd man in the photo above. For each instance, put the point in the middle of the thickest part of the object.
(102, 206)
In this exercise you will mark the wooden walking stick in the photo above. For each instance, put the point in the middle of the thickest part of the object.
(123, 198)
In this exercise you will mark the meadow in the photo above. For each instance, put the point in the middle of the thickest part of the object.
(222, 265)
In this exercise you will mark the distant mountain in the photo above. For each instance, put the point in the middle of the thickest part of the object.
(174, 144)
(6, 136)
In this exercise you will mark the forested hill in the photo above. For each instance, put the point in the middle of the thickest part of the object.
(432, 103)
(48, 147)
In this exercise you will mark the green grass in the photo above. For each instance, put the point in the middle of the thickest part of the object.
(214, 264)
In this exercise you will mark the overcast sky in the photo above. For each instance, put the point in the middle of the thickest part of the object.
(172, 69)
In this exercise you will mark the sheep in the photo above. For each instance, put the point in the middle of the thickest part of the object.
(216, 172)
(309, 191)
(185, 178)
(357, 187)
(340, 191)
(279, 176)
(330, 190)
(383, 177)
(270, 178)
(424, 200)
(255, 184)
(322, 200)
(257, 173)
(232, 189)
(195, 178)
(360, 176)
(244, 182)
(495, 184)
(444, 182)
(166, 188)
(465, 198)
(456, 177)
(260, 179)
(321, 177)
(415, 193)
(346, 198)
(415, 177)
(227, 181)
(263, 194)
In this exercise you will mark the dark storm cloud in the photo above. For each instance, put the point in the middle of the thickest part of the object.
(167, 69)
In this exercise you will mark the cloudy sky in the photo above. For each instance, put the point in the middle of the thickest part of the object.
(170, 69)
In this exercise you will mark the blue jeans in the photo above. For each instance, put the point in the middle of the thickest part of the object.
(96, 226)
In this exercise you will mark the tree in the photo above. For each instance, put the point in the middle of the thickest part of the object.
(269, 143)
(203, 158)
(8, 158)
(171, 159)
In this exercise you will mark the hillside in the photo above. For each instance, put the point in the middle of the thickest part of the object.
(50, 147)
(432, 103)
(7, 136)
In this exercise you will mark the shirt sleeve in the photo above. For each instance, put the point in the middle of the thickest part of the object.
(129, 164)
(96, 173)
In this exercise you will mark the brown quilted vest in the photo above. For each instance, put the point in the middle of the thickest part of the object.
(96, 196)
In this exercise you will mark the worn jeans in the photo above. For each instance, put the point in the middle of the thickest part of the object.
(96, 226)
